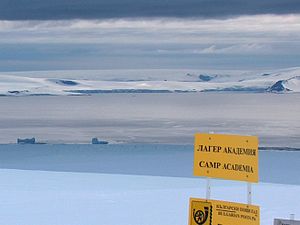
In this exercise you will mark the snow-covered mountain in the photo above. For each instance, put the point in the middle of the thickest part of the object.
(288, 85)
(22, 84)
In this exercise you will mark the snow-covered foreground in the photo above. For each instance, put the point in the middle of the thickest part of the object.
(65, 198)
(35, 83)
(128, 185)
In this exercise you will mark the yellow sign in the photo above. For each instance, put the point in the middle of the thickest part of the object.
(231, 157)
(212, 212)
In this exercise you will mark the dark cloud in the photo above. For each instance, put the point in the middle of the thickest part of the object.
(102, 9)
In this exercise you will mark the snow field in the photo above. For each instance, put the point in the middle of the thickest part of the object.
(60, 198)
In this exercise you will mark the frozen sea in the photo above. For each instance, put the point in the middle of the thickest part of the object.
(280, 167)
(151, 118)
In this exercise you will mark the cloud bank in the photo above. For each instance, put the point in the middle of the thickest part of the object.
(249, 31)
(243, 42)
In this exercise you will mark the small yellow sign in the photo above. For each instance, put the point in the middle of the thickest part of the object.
(212, 212)
(232, 157)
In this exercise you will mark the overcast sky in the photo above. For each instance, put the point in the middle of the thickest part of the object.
(145, 34)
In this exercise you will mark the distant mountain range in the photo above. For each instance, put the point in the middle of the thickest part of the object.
(25, 84)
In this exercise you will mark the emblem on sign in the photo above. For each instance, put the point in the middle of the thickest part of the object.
(201, 213)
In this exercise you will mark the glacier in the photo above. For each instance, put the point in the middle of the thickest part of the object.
(63, 83)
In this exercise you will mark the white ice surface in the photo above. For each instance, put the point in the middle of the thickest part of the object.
(31, 83)
(64, 198)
